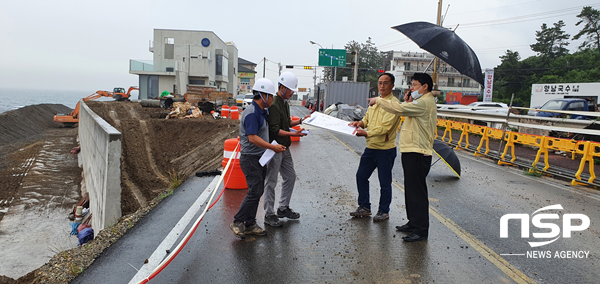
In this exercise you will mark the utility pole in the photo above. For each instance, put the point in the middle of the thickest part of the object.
(435, 60)
(355, 64)
(315, 80)
(264, 65)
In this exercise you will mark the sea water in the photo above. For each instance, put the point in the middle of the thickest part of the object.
(11, 99)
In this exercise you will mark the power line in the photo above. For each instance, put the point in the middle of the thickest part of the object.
(511, 20)
(545, 68)
(525, 18)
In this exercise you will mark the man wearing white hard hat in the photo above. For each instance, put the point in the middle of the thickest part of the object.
(254, 140)
(279, 130)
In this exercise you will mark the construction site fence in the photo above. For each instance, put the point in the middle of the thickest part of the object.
(587, 150)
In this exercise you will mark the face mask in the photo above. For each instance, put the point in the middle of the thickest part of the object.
(416, 94)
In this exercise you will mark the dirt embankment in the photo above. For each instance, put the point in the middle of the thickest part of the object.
(154, 149)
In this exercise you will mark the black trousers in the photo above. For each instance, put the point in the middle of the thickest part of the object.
(255, 178)
(416, 168)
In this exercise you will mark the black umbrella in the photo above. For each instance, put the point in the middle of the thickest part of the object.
(446, 45)
(447, 155)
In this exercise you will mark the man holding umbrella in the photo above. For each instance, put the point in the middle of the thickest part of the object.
(416, 145)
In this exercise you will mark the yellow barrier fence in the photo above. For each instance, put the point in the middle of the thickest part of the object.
(589, 150)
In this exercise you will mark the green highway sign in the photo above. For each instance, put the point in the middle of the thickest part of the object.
(332, 57)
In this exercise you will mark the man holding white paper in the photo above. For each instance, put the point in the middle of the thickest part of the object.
(282, 163)
(254, 137)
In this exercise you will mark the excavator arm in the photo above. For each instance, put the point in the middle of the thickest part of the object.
(72, 118)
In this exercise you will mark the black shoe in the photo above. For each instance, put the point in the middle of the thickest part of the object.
(414, 238)
(361, 212)
(405, 228)
(273, 221)
(287, 213)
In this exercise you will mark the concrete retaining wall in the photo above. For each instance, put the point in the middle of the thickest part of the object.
(101, 162)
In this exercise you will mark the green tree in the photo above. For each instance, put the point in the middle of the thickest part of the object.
(591, 29)
(551, 42)
(506, 81)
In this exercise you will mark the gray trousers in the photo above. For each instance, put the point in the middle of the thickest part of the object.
(281, 163)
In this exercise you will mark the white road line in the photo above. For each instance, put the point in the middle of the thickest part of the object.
(167, 244)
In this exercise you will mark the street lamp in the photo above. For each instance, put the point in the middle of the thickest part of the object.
(316, 90)
(312, 42)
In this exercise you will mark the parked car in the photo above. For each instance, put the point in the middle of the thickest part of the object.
(239, 100)
(247, 100)
(566, 105)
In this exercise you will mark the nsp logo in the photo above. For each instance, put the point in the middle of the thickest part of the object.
(537, 221)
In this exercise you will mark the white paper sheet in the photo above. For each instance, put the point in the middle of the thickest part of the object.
(330, 123)
(303, 131)
(267, 155)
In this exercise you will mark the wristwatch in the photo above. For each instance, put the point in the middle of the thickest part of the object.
(301, 119)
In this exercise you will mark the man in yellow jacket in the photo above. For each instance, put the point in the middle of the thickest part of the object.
(381, 128)
(416, 145)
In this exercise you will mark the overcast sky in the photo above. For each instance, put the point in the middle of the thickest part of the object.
(86, 46)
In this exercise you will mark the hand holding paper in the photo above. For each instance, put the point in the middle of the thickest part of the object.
(330, 123)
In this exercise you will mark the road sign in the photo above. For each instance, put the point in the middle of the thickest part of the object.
(332, 57)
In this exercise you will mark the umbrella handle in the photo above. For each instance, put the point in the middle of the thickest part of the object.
(436, 161)
(426, 68)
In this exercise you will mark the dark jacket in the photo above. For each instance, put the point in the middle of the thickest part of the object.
(279, 118)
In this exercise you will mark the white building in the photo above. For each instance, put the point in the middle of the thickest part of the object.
(405, 63)
(184, 59)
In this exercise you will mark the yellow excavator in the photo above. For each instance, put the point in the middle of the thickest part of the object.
(72, 118)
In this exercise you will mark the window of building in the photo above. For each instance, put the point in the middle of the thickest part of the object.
(222, 65)
(466, 82)
(406, 66)
(169, 48)
(450, 82)
(197, 82)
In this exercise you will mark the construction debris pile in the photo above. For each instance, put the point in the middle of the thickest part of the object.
(184, 110)
(346, 112)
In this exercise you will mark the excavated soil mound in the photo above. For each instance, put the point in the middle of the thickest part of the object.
(17, 127)
(155, 149)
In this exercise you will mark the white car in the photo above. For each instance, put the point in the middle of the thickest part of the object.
(248, 98)
(479, 107)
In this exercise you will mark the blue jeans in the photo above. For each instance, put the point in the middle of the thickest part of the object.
(383, 160)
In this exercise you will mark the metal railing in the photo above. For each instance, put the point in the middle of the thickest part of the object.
(141, 65)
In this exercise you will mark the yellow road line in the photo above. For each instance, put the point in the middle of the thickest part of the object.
(485, 251)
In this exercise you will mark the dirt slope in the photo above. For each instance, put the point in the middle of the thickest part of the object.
(155, 148)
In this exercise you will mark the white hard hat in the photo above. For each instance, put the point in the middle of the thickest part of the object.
(289, 80)
(264, 85)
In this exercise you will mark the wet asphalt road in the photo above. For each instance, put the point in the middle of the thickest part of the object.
(327, 246)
